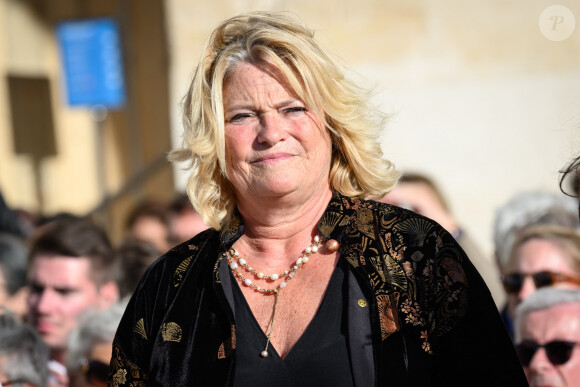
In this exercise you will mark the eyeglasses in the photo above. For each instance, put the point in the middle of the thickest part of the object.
(558, 352)
(96, 372)
(513, 282)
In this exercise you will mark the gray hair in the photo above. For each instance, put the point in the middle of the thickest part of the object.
(95, 327)
(529, 208)
(544, 298)
(25, 354)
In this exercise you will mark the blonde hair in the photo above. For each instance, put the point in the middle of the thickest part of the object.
(566, 239)
(277, 41)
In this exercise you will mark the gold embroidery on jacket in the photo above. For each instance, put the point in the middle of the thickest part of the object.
(396, 273)
(140, 328)
(122, 371)
(180, 271)
(225, 349)
(120, 377)
(395, 246)
(378, 266)
(329, 222)
(454, 270)
(233, 337)
(365, 222)
(352, 259)
(230, 229)
(388, 313)
(216, 269)
(416, 228)
(426, 345)
(171, 332)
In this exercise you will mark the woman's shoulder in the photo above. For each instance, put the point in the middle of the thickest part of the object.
(377, 221)
(172, 265)
(390, 218)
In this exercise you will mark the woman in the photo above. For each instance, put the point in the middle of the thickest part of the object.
(299, 281)
(542, 255)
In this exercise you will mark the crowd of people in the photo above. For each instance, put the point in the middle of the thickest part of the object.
(64, 287)
(395, 291)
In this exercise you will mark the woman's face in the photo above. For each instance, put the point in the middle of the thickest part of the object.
(275, 146)
(536, 255)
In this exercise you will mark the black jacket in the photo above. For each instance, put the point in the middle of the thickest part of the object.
(419, 313)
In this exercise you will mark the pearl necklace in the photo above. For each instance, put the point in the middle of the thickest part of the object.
(235, 261)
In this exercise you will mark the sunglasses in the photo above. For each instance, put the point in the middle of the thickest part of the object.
(513, 282)
(96, 372)
(558, 352)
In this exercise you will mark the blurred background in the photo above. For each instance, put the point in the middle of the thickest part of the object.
(483, 97)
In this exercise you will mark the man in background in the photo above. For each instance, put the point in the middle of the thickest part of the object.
(548, 337)
(72, 270)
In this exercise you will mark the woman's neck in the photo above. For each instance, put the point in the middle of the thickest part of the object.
(277, 231)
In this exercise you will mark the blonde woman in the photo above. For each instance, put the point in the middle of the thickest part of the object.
(301, 281)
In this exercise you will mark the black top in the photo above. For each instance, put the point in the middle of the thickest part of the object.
(319, 358)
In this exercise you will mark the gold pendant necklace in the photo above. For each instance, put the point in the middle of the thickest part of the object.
(235, 262)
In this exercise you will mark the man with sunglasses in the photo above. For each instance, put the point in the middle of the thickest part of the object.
(548, 337)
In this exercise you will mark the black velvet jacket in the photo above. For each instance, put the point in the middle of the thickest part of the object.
(419, 314)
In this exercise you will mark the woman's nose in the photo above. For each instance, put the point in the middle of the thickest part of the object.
(272, 128)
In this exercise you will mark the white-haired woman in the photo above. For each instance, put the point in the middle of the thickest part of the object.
(300, 281)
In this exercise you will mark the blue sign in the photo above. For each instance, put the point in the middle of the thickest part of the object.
(93, 68)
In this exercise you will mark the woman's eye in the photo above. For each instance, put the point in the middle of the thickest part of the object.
(295, 109)
(240, 117)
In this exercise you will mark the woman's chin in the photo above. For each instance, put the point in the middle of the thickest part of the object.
(275, 191)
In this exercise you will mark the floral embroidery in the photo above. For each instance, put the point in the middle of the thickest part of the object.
(121, 368)
(425, 346)
(408, 267)
(120, 377)
(454, 296)
(407, 306)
